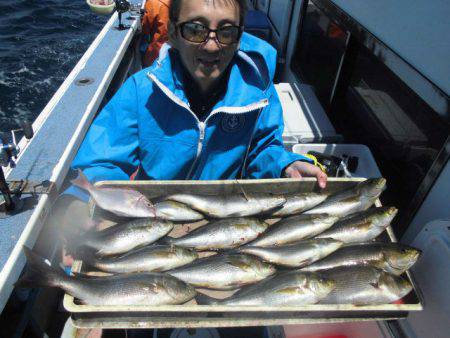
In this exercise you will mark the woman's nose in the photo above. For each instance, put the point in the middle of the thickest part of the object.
(212, 44)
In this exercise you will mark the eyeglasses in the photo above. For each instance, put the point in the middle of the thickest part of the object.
(198, 33)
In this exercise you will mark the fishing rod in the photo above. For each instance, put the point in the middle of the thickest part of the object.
(9, 150)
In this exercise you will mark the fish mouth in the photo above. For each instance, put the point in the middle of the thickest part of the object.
(392, 212)
(149, 205)
(380, 184)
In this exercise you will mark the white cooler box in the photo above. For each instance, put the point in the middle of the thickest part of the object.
(367, 167)
(305, 121)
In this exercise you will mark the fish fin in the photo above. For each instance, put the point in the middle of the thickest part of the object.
(81, 181)
(38, 273)
(203, 299)
(289, 290)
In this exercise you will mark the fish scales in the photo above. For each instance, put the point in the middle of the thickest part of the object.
(292, 288)
(176, 212)
(294, 228)
(352, 200)
(362, 226)
(224, 206)
(295, 255)
(120, 201)
(126, 289)
(296, 204)
(127, 236)
(154, 258)
(364, 285)
(394, 258)
(224, 271)
(222, 234)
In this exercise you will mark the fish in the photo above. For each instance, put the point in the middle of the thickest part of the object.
(294, 255)
(297, 203)
(393, 258)
(148, 289)
(363, 226)
(224, 271)
(152, 258)
(125, 237)
(365, 285)
(176, 212)
(234, 205)
(221, 234)
(286, 289)
(293, 229)
(120, 201)
(358, 198)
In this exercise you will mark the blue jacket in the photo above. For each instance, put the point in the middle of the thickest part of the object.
(148, 125)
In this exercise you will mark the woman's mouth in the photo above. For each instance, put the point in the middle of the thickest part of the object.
(208, 63)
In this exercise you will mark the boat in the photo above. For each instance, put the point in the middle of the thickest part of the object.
(368, 80)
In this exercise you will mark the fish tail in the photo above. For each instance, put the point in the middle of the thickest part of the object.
(39, 273)
(81, 181)
(81, 245)
(87, 256)
(203, 299)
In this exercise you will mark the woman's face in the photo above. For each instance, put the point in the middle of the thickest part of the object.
(206, 61)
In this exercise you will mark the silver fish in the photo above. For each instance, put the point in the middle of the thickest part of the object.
(394, 258)
(361, 227)
(120, 201)
(128, 289)
(365, 285)
(154, 258)
(353, 200)
(224, 272)
(292, 288)
(295, 228)
(222, 234)
(126, 236)
(295, 255)
(296, 204)
(223, 206)
(176, 212)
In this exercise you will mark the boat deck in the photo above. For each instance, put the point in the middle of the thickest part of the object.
(59, 130)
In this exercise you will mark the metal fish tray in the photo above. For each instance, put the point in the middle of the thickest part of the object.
(193, 315)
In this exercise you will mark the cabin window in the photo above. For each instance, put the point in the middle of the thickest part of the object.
(320, 48)
(376, 108)
(369, 104)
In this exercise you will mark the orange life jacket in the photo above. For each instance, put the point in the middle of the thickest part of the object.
(154, 27)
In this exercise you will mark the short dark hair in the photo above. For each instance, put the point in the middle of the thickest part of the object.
(175, 7)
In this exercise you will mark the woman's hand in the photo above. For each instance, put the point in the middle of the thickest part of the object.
(299, 169)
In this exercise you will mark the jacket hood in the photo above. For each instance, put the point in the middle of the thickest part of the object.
(251, 73)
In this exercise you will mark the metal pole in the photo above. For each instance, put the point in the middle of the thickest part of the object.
(9, 204)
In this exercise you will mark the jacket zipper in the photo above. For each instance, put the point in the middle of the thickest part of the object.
(202, 125)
